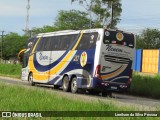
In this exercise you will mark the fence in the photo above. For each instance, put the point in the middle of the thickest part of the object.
(147, 61)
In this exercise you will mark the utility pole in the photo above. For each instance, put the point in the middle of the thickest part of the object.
(112, 4)
(2, 46)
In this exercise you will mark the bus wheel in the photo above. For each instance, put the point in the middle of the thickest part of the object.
(74, 87)
(30, 79)
(66, 85)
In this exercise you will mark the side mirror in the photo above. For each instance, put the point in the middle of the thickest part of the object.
(20, 55)
(30, 45)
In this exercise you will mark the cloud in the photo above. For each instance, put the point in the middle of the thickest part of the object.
(11, 9)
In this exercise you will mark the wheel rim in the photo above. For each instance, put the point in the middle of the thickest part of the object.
(31, 78)
(74, 85)
(65, 84)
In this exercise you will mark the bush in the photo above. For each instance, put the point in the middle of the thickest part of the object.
(13, 70)
(145, 85)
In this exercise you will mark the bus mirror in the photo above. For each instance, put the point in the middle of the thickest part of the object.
(20, 55)
(30, 44)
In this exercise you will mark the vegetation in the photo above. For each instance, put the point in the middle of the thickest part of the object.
(145, 86)
(72, 19)
(11, 70)
(12, 44)
(104, 11)
(44, 29)
(149, 39)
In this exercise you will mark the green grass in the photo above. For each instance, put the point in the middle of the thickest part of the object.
(25, 99)
(11, 70)
(145, 85)
(17, 98)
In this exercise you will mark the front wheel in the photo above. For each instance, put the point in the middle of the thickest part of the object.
(30, 80)
(74, 87)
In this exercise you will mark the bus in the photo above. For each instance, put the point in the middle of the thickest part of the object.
(94, 60)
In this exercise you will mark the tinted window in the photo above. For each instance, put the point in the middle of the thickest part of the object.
(56, 43)
(111, 37)
(43, 43)
(25, 59)
(88, 41)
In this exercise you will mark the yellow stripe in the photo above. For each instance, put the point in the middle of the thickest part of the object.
(113, 74)
(36, 45)
(56, 68)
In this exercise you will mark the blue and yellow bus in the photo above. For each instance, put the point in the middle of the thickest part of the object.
(93, 60)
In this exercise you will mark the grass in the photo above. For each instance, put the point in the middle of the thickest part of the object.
(10, 70)
(17, 98)
(25, 99)
(145, 85)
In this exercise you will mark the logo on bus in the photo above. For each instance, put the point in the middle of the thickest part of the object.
(83, 59)
(119, 36)
(111, 48)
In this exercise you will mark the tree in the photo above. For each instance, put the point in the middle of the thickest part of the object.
(73, 19)
(12, 44)
(149, 39)
(43, 29)
(65, 20)
(107, 11)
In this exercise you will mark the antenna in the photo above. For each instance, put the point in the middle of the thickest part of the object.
(27, 17)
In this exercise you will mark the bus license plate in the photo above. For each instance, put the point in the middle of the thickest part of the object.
(113, 87)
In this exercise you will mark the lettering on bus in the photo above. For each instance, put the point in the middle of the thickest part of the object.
(44, 57)
(111, 48)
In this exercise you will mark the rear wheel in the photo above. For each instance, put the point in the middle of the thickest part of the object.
(30, 80)
(66, 84)
(74, 87)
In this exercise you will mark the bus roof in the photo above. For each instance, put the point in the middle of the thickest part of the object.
(64, 32)
(56, 32)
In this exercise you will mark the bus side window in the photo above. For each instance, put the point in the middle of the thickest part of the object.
(88, 41)
(40, 45)
(66, 41)
(93, 40)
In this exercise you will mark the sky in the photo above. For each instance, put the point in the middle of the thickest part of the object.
(136, 14)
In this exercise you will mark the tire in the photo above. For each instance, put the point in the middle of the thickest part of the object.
(30, 80)
(66, 84)
(74, 86)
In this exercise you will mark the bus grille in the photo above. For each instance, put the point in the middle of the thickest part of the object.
(116, 59)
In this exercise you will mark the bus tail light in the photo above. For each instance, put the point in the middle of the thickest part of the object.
(130, 77)
(97, 72)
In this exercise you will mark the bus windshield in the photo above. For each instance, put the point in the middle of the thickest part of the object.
(120, 38)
